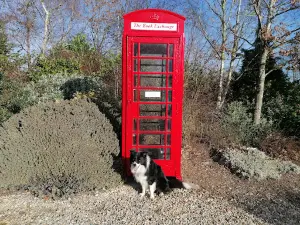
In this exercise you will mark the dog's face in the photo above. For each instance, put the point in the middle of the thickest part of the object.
(138, 161)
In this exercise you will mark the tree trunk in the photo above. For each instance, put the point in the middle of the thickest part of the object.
(223, 29)
(46, 29)
(261, 87)
(219, 101)
(28, 44)
(227, 84)
(264, 34)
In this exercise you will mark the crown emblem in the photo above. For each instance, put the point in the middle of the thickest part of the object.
(154, 17)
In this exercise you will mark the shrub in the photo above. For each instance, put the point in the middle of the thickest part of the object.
(60, 86)
(238, 124)
(58, 149)
(63, 58)
(4, 114)
(53, 66)
(284, 110)
(251, 163)
(83, 85)
(13, 97)
(76, 56)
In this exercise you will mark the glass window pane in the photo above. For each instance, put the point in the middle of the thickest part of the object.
(169, 125)
(171, 65)
(135, 95)
(152, 110)
(135, 49)
(170, 81)
(169, 110)
(135, 65)
(134, 124)
(134, 139)
(153, 80)
(152, 124)
(153, 65)
(153, 50)
(169, 96)
(154, 153)
(152, 139)
(135, 81)
(171, 50)
(168, 153)
(169, 139)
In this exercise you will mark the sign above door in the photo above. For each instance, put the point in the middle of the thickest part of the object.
(154, 26)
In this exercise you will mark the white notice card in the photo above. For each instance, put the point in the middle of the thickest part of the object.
(152, 94)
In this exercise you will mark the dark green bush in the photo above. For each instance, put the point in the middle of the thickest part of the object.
(238, 124)
(81, 85)
(13, 97)
(54, 65)
(284, 110)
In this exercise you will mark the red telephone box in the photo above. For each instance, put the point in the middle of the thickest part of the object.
(152, 87)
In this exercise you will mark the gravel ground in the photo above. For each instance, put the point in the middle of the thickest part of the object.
(122, 205)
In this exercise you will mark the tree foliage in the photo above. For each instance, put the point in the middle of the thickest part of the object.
(75, 56)
(246, 81)
(281, 96)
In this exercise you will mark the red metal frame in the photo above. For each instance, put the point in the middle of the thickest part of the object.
(130, 108)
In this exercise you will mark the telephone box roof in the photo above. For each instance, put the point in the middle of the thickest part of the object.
(136, 13)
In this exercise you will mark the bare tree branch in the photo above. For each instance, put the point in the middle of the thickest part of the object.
(267, 4)
(283, 36)
(256, 5)
(241, 37)
(203, 31)
(285, 11)
(214, 10)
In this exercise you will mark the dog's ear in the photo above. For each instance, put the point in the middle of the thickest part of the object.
(144, 154)
(132, 152)
(132, 155)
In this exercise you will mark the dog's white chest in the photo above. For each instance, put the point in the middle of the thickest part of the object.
(141, 178)
(139, 174)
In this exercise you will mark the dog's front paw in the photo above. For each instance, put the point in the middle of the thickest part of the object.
(142, 195)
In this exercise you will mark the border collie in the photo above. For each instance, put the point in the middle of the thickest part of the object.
(150, 175)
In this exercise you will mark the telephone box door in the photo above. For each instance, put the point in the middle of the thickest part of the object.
(154, 86)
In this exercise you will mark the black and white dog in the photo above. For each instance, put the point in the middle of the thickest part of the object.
(150, 175)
